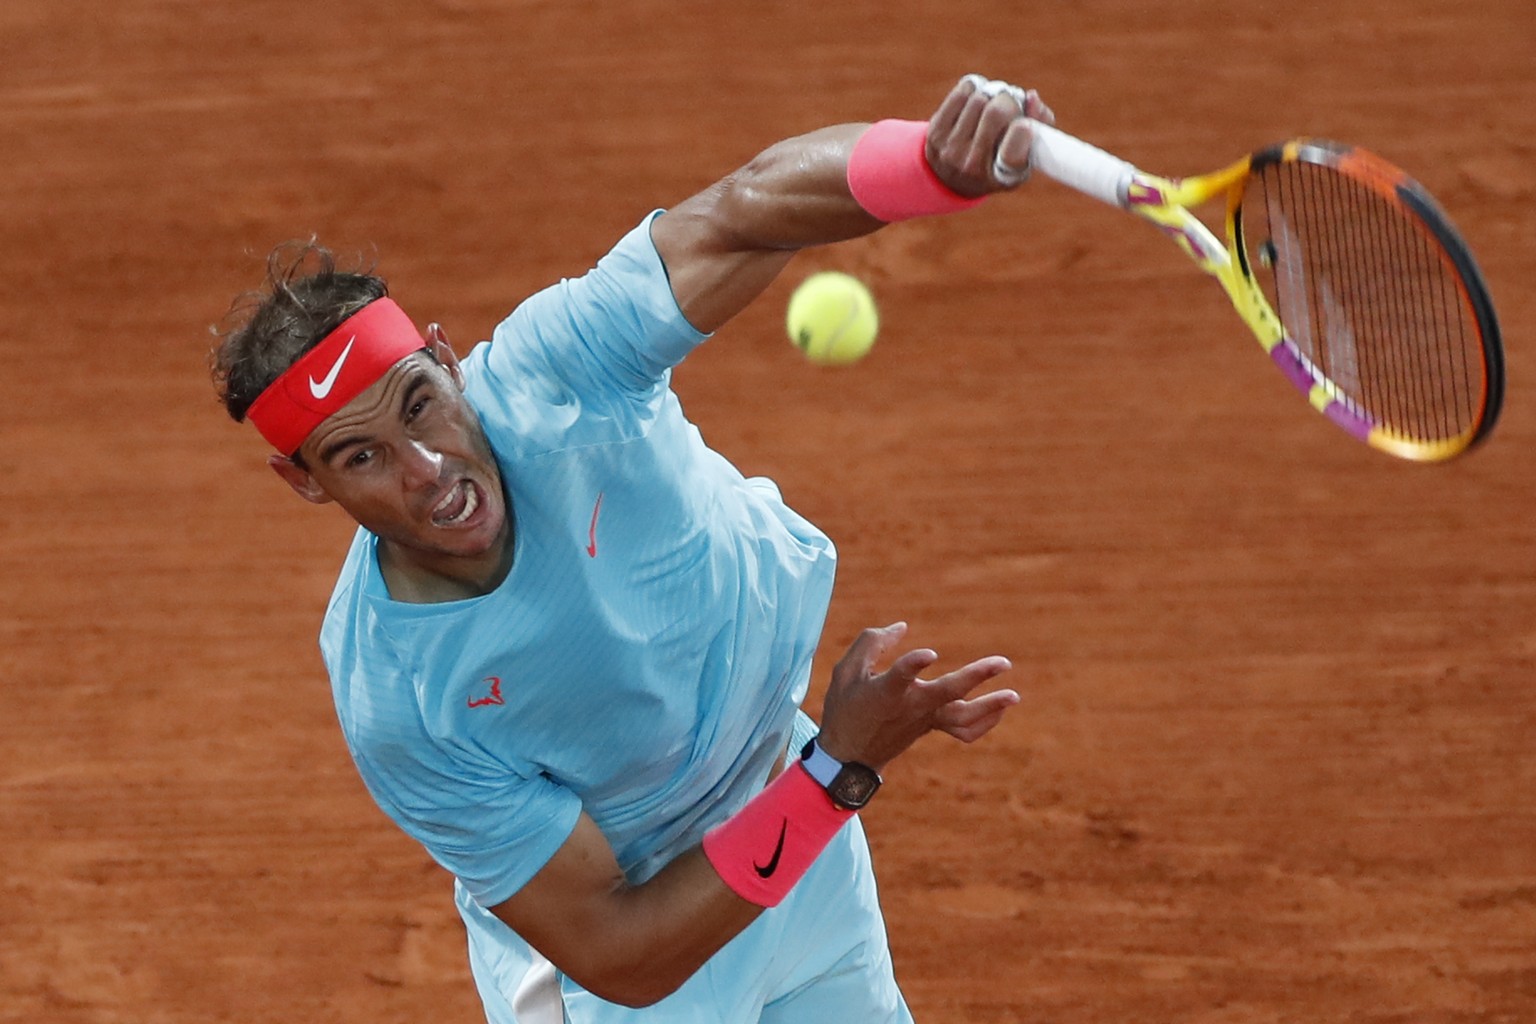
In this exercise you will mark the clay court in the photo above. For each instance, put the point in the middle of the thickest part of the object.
(1277, 755)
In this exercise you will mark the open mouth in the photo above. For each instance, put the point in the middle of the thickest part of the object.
(457, 505)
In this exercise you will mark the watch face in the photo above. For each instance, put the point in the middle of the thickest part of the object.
(854, 785)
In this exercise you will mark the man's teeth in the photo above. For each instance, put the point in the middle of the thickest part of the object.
(448, 499)
(471, 502)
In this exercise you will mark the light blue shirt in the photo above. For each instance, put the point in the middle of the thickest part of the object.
(644, 658)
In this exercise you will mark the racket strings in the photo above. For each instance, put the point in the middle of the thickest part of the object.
(1368, 298)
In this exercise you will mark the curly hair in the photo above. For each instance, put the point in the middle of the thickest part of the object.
(305, 297)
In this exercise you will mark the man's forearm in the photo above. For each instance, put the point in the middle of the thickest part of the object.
(628, 944)
(795, 194)
(685, 910)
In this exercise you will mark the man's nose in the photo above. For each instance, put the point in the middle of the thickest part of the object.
(422, 466)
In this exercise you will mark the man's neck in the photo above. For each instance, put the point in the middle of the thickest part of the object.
(416, 577)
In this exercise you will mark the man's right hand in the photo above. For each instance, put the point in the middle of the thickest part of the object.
(872, 717)
(980, 127)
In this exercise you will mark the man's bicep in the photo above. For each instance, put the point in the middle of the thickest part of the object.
(713, 274)
(632, 945)
(725, 245)
(564, 910)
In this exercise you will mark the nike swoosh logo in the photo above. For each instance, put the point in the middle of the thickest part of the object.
(767, 870)
(321, 388)
(592, 530)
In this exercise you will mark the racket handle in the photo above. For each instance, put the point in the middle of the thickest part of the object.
(1079, 165)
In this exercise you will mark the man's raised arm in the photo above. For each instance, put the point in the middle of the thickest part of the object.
(725, 245)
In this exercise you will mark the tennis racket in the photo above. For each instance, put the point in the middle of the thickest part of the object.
(1347, 271)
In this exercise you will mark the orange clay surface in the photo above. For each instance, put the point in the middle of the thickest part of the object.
(1276, 759)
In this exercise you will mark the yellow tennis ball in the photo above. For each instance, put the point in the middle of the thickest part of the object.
(832, 318)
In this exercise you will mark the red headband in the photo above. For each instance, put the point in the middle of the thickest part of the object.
(346, 363)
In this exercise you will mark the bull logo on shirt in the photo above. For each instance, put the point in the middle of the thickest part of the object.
(495, 696)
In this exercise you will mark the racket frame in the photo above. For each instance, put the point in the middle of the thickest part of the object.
(1168, 203)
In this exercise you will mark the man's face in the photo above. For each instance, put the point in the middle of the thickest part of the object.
(410, 462)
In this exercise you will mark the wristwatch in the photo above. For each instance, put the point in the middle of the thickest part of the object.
(849, 785)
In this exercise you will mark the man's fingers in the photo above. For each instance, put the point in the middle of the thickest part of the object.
(1035, 107)
(998, 117)
(962, 713)
(904, 670)
(942, 123)
(974, 732)
(869, 646)
(969, 720)
(963, 680)
(1012, 165)
(962, 136)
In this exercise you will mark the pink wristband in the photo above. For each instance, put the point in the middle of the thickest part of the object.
(889, 175)
(766, 847)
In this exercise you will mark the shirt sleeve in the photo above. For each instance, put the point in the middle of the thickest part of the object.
(617, 327)
(493, 832)
(493, 825)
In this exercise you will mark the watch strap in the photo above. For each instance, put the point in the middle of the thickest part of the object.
(819, 764)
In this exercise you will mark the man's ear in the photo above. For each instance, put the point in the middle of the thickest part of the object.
(299, 478)
(444, 354)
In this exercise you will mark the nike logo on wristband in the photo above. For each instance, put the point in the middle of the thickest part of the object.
(767, 870)
(321, 388)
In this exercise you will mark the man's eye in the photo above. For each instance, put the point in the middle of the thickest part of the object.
(361, 458)
(418, 408)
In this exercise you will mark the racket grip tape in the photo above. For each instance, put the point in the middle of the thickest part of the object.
(1079, 165)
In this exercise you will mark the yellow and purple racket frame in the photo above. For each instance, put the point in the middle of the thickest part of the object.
(1167, 203)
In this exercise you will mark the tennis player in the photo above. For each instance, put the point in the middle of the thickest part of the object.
(569, 643)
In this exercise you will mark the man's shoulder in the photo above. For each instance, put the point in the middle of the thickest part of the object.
(348, 612)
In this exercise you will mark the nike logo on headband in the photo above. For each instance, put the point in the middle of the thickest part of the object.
(321, 388)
